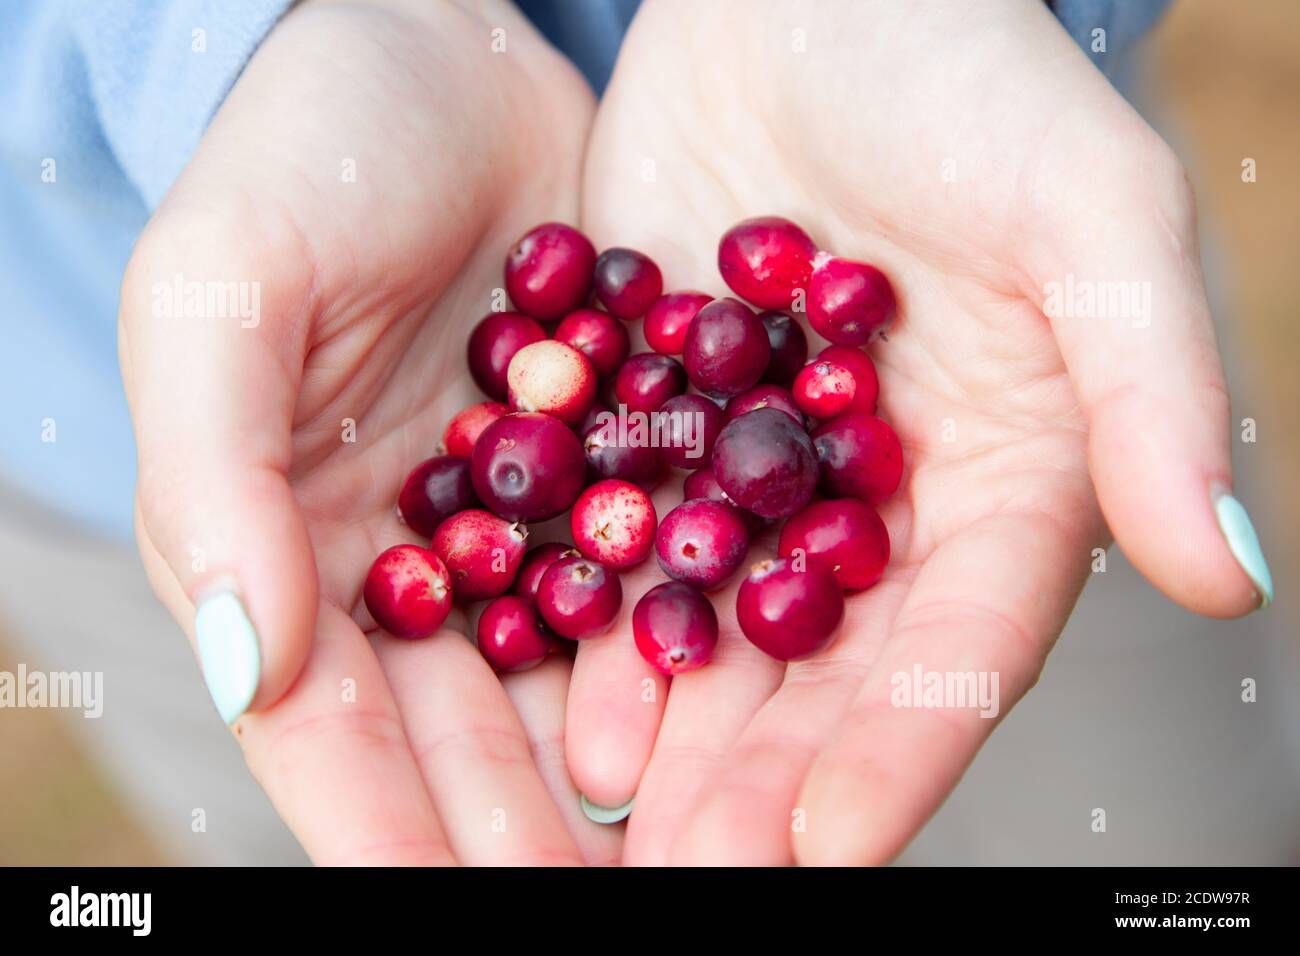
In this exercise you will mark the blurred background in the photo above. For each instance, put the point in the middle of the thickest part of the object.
(1139, 711)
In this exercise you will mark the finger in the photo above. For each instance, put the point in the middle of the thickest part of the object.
(539, 696)
(981, 616)
(212, 384)
(334, 759)
(473, 754)
(1121, 282)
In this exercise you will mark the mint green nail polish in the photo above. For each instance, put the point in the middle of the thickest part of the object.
(1244, 545)
(598, 814)
(228, 653)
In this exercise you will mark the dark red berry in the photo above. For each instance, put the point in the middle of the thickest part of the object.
(789, 348)
(548, 271)
(845, 534)
(613, 522)
(627, 282)
(492, 345)
(434, 490)
(849, 303)
(579, 598)
(533, 566)
(511, 636)
(628, 456)
(467, 424)
(765, 463)
(824, 389)
(788, 613)
(688, 425)
(866, 384)
(647, 380)
(766, 261)
(481, 551)
(860, 457)
(666, 323)
(701, 543)
(675, 628)
(597, 335)
(408, 591)
(726, 350)
(528, 467)
(764, 396)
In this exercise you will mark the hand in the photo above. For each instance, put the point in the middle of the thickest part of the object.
(974, 154)
(378, 751)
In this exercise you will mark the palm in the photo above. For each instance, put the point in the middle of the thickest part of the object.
(993, 526)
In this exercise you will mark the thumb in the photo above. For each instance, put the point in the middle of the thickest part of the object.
(211, 348)
(1120, 281)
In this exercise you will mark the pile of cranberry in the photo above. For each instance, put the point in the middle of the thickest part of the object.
(763, 431)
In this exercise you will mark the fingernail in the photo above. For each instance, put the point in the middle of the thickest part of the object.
(228, 653)
(1244, 545)
(598, 814)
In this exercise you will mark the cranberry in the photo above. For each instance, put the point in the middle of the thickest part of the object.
(511, 636)
(766, 261)
(702, 484)
(593, 417)
(789, 348)
(467, 424)
(824, 389)
(613, 522)
(666, 323)
(627, 282)
(408, 591)
(726, 348)
(554, 378)
(846, 535)
(527, 467)
(599, 336)
(765, 462)
(548, 271)
(629, 457)
(647, 380)
(764, 396)
(702, 543)
(579, 598)
(675, 628)
(481, 551)
(849, 303)
(688, 427)
(492, 345)
(433, 491)
(860, 457)
(534, 565)
(786, 612)
(866, 385)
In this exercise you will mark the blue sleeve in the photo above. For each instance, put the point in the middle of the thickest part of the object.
(1123, 23)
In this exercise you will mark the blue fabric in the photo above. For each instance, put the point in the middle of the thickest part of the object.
(106, 99)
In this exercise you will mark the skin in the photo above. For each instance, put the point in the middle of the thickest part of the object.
(1064, 426)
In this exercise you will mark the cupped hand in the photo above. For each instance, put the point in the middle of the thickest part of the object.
(974, 154)
(364, 179)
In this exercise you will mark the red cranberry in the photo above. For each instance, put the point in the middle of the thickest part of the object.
(688, 427)
(433, 491)
(647, 380)
(764, 396)
(789, 348)
(467, 424)
(765, 462)
(481, 551)
(597, 335)
(702, 484)
(846, 535)
(824, 389)
(675, 628)
(613, 522)
(579, 598)
(548, 271)
(527, 467)
(860, 457)
(628, 457)
(534, 565)
(849, 303)
(726, 349)
(593, 417)
(701, 543)
(627, 282)
(788, 613)
(666, 323)
(408, 591)
(492, 345)
(553, 378)
(766, 261)
(866, 385)
(511, 636)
